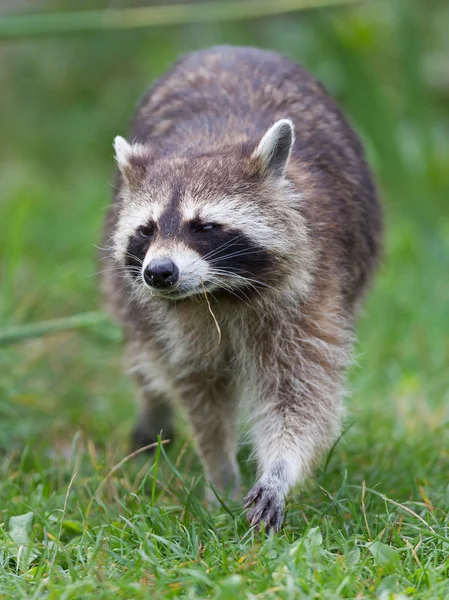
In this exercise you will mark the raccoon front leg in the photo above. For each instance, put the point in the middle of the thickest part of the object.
(295, 422)
(289, 437)
(211, 408)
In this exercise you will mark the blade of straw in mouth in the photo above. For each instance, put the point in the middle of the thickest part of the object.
(215, 321)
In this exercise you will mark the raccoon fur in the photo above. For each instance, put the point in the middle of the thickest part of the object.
(244, 229)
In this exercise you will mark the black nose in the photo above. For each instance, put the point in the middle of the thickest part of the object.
(161, 273)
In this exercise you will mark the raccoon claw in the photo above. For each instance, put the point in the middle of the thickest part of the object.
(267, 507)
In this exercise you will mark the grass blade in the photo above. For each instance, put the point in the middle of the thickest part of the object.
(17, 333)
(17, 26)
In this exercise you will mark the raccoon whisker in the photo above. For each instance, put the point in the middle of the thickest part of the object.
(246, 285)
(234, 270)
(137, 294)
(104, 249)
(214, 251)
(238, 294)
(238, 276)
(251, 286)
(129, 255)
(232, 274)
(220, 284)
(101, 248)
(124, 272)
(117, 269)
(136, 286)
(112, 185)
(209, 256)
(256, 282)
(223, 246)
(124, 287)
(248, 281)
(253, 283)
(246, 299)
(243, 252)
(234, 254)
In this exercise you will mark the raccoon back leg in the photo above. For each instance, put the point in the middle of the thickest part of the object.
(211, 408)
(154, 395)
(155, 417)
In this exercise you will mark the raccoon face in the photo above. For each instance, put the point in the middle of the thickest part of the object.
(212, 222)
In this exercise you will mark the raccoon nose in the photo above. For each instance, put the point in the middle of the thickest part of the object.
(161, 273)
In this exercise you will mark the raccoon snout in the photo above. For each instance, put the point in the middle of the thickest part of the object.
(161, 273)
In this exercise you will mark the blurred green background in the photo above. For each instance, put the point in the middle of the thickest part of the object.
(66, 408)
(63, 99)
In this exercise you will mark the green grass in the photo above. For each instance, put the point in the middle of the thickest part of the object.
(374, 521)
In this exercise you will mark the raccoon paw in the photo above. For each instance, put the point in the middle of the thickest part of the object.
(267, 506)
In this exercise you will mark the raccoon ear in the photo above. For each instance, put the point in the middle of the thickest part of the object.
(275, 147)
(132, 160)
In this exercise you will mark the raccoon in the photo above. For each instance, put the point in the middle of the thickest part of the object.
(244, 230)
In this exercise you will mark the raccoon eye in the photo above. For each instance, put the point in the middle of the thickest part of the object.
(146, 232)
(207, 227)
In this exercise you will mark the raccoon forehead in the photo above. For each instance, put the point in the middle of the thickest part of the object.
(237, 213)
(138, 209)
